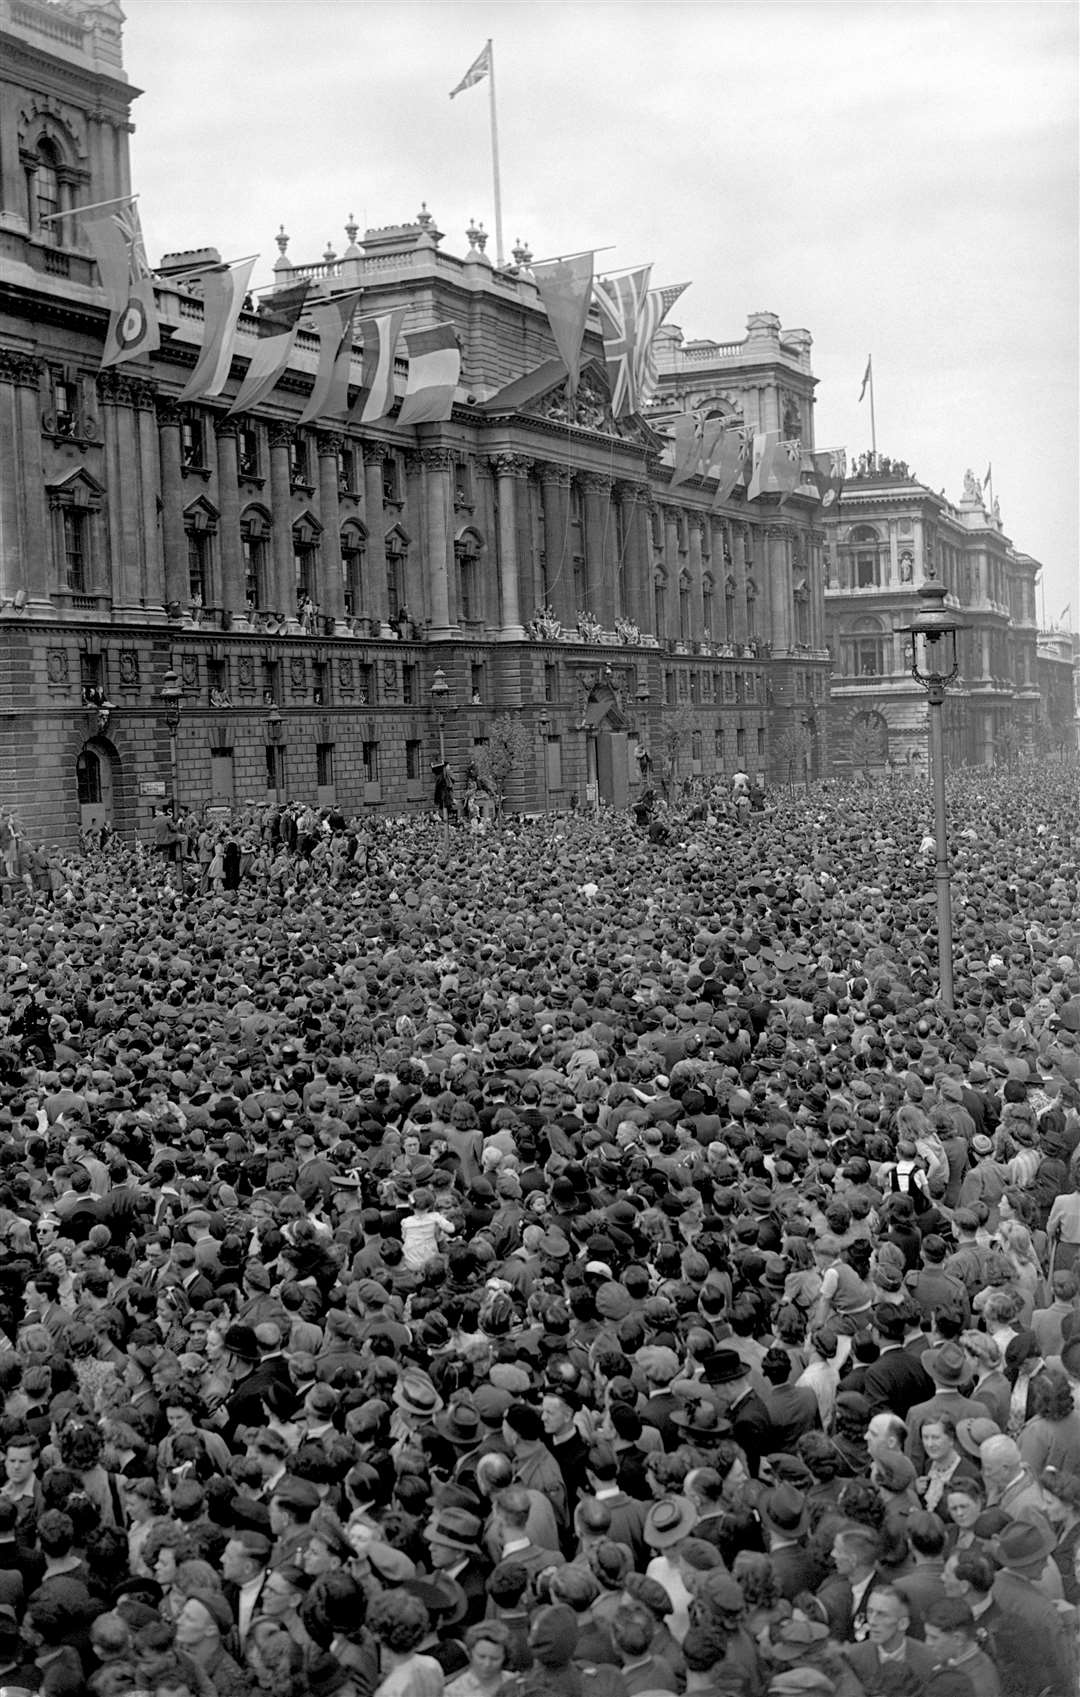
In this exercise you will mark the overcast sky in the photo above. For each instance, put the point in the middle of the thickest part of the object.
(899, 179)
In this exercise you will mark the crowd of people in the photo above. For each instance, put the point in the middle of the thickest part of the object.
(566, 1260)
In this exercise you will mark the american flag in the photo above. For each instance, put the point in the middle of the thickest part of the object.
(621, 301)
(658, 303)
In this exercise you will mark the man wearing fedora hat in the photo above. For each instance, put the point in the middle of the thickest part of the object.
(727, 1377)
(1027, 1616)
(783, 1513)
(453, 1539)
(949, 1368)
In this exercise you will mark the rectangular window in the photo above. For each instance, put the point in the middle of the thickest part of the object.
(476, 683)
(198, 547)
(669, 689)
(193, 444)
(413, 758)
(247, 451)
(75, 554)
(865, 571)
(304, 563)
(324, 765)
(551, 683)
(271, 766)
(366, 680)
(271, 678)
(463, 490)
(320, 693)
(299, 463)
(91, 671)
(64, 400)
(371, 762)
(695, 750)
(395, 581)
(390, 480)
(217, 680)
(254, 551)
(348, 472)
(740, 743)
(408, 686)
(761, 742)
(718, 745)
(222, 775)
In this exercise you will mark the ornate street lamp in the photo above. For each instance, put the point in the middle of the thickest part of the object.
(440, 695)
(274, 727)
(544, 722)
(935, 664)
(171, 695)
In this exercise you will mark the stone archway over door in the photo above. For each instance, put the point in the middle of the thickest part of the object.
(94, 778)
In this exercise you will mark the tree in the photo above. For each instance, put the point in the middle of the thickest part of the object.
(508, 749)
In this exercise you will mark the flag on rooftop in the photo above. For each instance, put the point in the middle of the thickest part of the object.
(279, 319)
(867, 376)
(117, 240)
(333, 321)
(565, 287)
(380, 336)
(434, 369)
(224, 288)
(621, 303)
(477, 71)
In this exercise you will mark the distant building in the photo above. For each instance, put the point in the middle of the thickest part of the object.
(887, 533)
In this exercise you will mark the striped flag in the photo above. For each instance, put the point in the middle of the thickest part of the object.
(333, 321)
(658, 303)
(565, 287)
(621, 302)
(434, 369)
(278, 322)
(224, 289)
(380, 336)
(477, 71)
(117, 240)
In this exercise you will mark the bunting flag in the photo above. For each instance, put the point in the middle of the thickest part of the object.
(117, 240)
(477, 71)
(729, 461)
(658, 303)
(621, 302)
(867, 376)
(565, 287)
(434, 369)
(278, 322)
(776, 466)
(376, 395)
(333, 321)
(830, 470)
(688, 434)
(224, 288)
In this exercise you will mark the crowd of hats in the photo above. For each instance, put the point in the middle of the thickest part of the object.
(652, 1094)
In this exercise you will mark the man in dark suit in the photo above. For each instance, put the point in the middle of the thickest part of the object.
(847, 1591)
(783, 1514)
(453, 1537)
(727, 1377)
(897, 1380)
(887, 1640)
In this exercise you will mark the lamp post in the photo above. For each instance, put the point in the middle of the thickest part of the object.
(274, 732)
(171, 694)
(544, 722)
(935, 663)
(440, 695)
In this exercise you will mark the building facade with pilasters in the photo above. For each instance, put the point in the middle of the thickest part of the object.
(306, 582)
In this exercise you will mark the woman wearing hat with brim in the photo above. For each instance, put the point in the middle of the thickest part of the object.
(668, 1524)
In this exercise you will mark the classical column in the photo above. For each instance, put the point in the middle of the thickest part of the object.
(781, 599)
(281, 440)
(697, 523)
(173, 540)
(738, 544)
(721, 571)
(331, 596)
(152, 579)
(599, 548)
(375, 589)
(438, 539)
(116, 391)
(635, 598)
(25, 561)
(559, 572)
(509, 469)
(233, 588)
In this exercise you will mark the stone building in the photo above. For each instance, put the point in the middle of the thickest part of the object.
(888, 532)
(305, 584)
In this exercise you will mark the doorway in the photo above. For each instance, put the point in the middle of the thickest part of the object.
(94, 781)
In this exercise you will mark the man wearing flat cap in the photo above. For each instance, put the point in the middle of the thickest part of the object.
(291, 1507)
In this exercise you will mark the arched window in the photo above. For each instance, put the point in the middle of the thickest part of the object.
(44, 183)
(255, 545)
(200, 527)
(869, 648)
(397, 560)
(802, 612)
(353, 541)
(660, 604)
(684, 607)
(306, 534)
(751, 608)
(88, 778)
(729, 609)
(864, 546)
(707, 609)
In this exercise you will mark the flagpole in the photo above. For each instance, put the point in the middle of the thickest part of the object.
(873, 425)
(75, 211)
(495, 157)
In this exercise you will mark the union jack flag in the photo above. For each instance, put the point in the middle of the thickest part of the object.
(621, 302)
(658, 303)
(830, 468)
